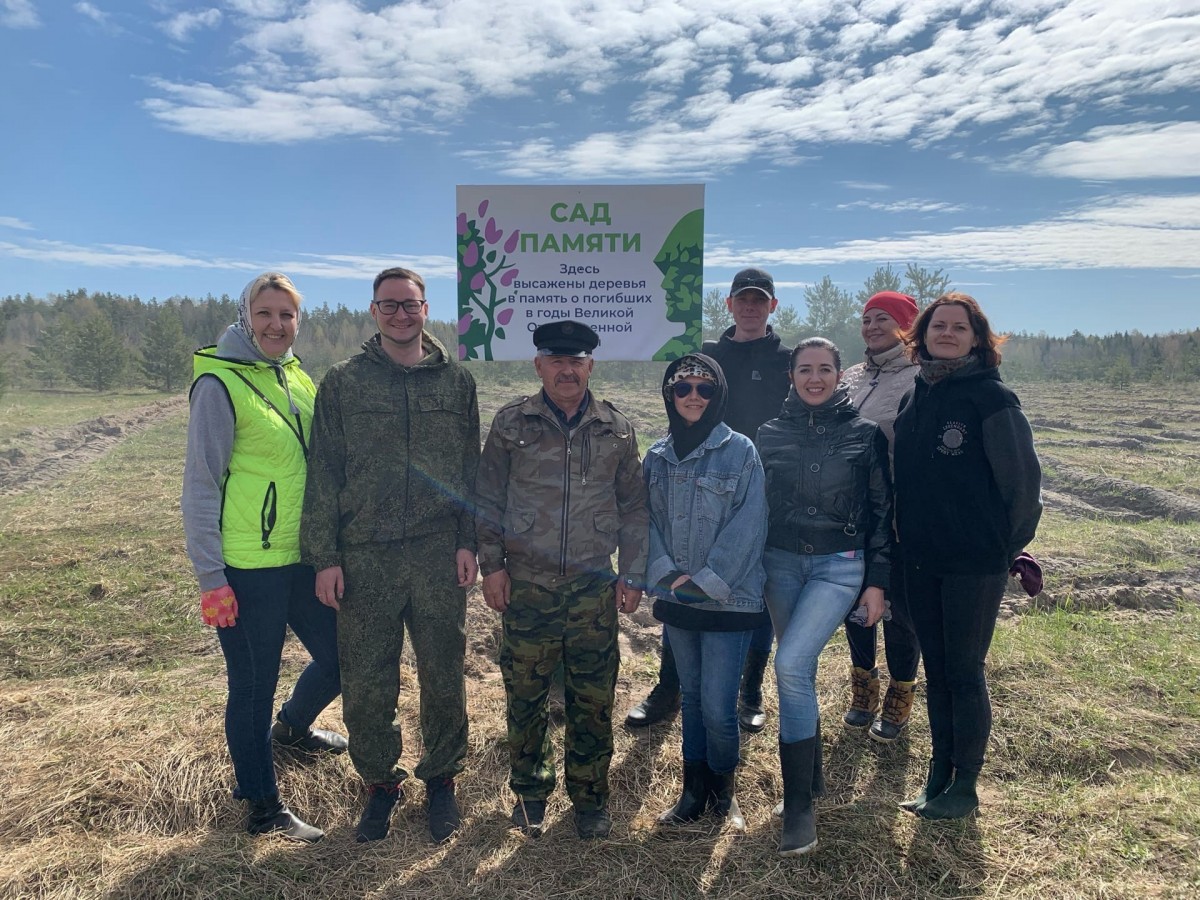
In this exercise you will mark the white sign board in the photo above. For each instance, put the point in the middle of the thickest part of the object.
(628, 260)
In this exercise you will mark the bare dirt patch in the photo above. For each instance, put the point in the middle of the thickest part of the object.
(40, 456)
(1118, 494)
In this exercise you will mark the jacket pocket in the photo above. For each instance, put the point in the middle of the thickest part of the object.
(714, 496)
(268, 514)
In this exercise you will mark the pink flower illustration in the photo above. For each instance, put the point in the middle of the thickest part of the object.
(505, 316)
(507, 278)
(491, 233)
(478, 281)
(511, 244)
(464, 323)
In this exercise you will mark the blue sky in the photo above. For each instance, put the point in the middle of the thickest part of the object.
(1045, 153)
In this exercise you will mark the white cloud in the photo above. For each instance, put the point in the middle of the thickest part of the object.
(1146, 150)
(12, 222)
(1129, 232)
(1135, 232)
(905, 206)
(727, 79)
(91, 12)
(180, 26)
(125, 256)
(255, 115)
(18, 14)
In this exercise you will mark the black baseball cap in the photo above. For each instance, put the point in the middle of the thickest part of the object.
(565, 337)
(753, 279)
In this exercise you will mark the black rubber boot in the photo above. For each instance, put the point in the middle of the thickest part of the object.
(957, 801)
(664, 699)
(271, 816)
(750, 711)
(722, 798)
(938, 779)
(442, 808)
(308, 740)
(796, 761)
(693, 800)
(818, 779)
(375, 821)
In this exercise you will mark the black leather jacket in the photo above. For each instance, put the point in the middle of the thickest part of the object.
(828, 485)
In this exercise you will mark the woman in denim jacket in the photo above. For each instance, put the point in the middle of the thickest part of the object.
(828, 544)
(708, 526)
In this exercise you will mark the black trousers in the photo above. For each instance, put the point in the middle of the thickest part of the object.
(955, 617)
(900, 645)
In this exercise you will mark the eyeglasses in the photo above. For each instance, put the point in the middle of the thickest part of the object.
(683, 389)
(389, 307)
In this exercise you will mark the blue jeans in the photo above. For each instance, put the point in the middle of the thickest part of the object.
(710, 672)
(269, 600)
(808, 597)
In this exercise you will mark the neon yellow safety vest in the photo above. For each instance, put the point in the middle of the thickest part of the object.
(263, 490)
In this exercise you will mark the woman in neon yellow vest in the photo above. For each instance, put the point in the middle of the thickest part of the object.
(251, 411)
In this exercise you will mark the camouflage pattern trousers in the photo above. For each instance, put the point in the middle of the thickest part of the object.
(390, 588)
(576, 623)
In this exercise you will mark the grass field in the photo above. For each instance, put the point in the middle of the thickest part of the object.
(116, 779)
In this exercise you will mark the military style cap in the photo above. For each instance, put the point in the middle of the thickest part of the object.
(565, 337)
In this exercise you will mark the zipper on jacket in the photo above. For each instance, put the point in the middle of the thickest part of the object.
(267, 515)
(565, 520)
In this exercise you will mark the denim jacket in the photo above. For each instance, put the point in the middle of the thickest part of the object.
(708, 519)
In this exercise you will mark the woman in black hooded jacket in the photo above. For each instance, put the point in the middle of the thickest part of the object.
(968, 486)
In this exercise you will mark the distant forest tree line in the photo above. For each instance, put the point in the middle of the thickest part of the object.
(104, 341)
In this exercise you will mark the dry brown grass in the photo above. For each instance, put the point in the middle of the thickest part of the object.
(116, 780)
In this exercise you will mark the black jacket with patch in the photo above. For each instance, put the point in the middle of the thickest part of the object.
(968, 481)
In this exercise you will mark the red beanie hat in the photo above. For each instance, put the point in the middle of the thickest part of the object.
(900, 307)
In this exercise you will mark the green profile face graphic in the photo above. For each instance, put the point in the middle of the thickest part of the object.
(681, 260)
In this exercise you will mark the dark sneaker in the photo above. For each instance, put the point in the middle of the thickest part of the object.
(660, 704)
(595, 824)
(272, 816)
(528, 815)
(311, 740)
(444, 817)
(376, 817)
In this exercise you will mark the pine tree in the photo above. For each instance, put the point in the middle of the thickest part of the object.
(47, 355)
(882, 279)
(96, 358)
(923, 285)
(832, 314)
(166, 353)
(717, 317)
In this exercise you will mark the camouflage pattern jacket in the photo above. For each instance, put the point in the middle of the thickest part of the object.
(552, 506)
(393, 456)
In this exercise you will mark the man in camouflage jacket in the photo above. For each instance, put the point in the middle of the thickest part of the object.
(388, 526)
(559, 489)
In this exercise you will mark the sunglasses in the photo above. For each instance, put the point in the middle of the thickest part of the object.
(683, 389)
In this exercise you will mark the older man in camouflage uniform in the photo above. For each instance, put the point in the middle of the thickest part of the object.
(387, 525)
(560, 488)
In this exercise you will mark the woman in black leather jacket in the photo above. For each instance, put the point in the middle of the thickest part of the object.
(827, 546)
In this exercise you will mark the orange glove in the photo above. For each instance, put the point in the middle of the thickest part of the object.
(219, 607)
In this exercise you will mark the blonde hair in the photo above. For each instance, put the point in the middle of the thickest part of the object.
(276, 280)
